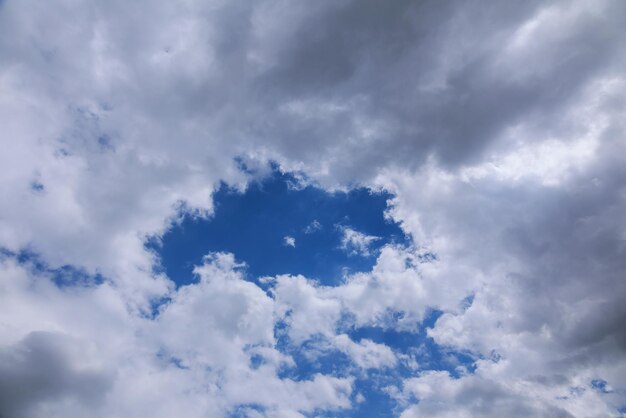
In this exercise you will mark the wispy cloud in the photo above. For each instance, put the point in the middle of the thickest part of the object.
(355, 242)
(314, 226)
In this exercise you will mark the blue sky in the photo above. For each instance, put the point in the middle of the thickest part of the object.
(296, 209)
(253, 226)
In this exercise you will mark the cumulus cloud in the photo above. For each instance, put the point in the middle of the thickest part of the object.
(498, 128)
(366, 353)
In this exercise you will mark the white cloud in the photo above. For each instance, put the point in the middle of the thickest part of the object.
(289, 241)
(541, 260)
(355, 242)
(197, 350)
(366, 353)
(308, 309)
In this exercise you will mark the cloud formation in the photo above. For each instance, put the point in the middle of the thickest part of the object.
(499, 129)
(355, 242)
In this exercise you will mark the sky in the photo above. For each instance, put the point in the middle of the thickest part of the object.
(279, 226)
(324, 209)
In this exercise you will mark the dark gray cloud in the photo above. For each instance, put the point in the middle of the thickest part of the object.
(428, 78)
(46, 367)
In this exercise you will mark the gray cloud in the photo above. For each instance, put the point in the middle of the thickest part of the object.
(47, 367)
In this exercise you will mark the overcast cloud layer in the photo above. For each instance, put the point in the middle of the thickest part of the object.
(497, 126)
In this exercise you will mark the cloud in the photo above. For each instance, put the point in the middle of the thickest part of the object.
(498, 129)
(306, 308)
(486, 395)
(356, 242)
(289, 241)
(542, 260)
(198, 350)
(45, 367)
(366, 353)
(107, 77)
(314, 226)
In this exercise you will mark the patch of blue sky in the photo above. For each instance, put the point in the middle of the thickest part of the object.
(369, 396)
(37, 186)
(276, 228)
(600, 385)
(171, 360)
(416, 351)
(105, 143)
(371, 399)
(244, 411)
(63, 276)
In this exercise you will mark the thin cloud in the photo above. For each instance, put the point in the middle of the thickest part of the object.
(355, 242)
(314, 226)
(289, 241)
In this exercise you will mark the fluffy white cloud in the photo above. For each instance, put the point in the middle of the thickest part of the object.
(366, 353)
(368, 299)
(307, 309)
